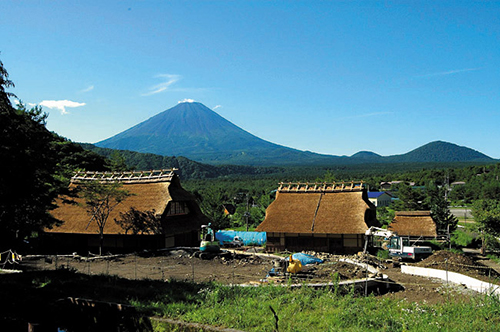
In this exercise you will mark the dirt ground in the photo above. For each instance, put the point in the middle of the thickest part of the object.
(251, 268)
(460, 263)
(432, 291)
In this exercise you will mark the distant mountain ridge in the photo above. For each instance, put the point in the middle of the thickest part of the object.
(439, 151)
(194, 131)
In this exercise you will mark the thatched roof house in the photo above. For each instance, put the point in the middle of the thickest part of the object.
(414, 224)
(161, 191)
(325, 217)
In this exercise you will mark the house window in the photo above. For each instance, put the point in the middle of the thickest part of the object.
(177, 208)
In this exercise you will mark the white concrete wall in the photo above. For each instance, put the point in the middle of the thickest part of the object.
(457, 278)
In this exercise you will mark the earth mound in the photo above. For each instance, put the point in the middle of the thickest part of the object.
(459, 263)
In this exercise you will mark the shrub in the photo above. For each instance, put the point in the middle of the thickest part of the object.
(383, 254)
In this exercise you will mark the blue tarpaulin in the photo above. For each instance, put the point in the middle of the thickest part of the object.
(306, 259)
(248, 238)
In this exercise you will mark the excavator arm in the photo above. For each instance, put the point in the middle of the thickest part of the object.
(376, 231)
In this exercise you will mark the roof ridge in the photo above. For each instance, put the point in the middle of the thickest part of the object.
(161, 175)
(320, 187)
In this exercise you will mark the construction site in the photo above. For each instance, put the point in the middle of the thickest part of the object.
(247, 267)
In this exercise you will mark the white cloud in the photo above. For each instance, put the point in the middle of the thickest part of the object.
(365, 115)
(186, 101)
(87, 89)
(216, 107)
(61, 105)
(169, 80)
(449, 72)
(18, 102)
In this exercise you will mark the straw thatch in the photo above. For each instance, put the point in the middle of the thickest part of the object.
(147, 194)
(316, 212)
(414, 223)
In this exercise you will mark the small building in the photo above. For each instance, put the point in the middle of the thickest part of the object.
(385, 185)
(229, 209)
(328, 217)
(380, 198)
(161, 191)
(390, 185)
(414, 224)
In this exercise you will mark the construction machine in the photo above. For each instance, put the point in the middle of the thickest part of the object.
(398, 246)
(208, 242)
(236, 242)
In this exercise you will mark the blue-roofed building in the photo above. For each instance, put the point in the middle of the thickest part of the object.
(380, 198)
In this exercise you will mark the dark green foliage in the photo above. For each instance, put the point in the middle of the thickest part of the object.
(116, 163)
(210, 200)
(5, 83)
(187, 169)
(72, 156)
(441, 214)
(385, 215)
(29, 163)
(462, 238)
(213, 193)
(410, 199)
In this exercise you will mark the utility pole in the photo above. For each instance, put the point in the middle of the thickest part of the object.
(247, 214)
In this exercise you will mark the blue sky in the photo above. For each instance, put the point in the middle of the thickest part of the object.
(332, 77)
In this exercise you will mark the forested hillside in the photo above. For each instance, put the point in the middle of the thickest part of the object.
(188, 169)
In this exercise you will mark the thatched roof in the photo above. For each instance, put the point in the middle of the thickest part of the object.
(414, 223)
(314, 211)
(147, 194)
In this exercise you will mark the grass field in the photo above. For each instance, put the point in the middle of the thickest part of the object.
(35, 296)
(251, 309)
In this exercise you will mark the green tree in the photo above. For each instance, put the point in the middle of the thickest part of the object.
(100, 199)
(486, 214)
(117, 162)
(210, 201)
(409, 199)
(385, 215)
(28, 185)
(440, 212)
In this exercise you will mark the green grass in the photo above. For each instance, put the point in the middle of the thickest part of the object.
(307, 309)
(494, 257)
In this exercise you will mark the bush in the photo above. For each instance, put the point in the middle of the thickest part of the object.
(383, 254)
(463, 238)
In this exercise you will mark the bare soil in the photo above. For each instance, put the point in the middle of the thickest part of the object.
(460, 263)
(251, 268)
